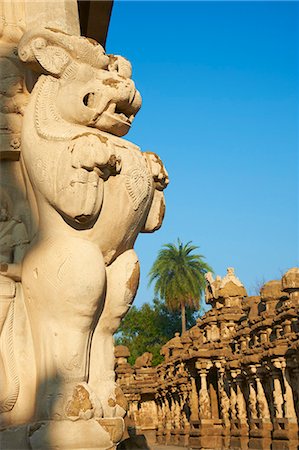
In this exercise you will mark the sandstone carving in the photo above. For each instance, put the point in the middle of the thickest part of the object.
(144, 360)
(68, 269)
(233, 377)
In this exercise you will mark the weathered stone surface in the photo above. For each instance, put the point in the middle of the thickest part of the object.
(121, 351)
(290, 280)
(272, 290)
(144, 360)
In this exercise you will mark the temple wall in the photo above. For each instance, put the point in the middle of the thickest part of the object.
(232, 380)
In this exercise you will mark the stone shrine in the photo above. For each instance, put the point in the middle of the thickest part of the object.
(231, 381)
(74, 196)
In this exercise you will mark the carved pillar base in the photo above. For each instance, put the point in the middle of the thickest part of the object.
(206, 434)
(260, 434)
(239, 435)
(160, 437)
(226, 442)
(174, 436)
(194, 434)
(285, 435)
(150, 435)
(100, 434)
(184, 438)
(167, 435)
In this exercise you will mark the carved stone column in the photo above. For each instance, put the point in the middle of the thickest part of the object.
(206, 432)
(263, 409)
(295, 372)
(289, 406)
(172, 408)
(160, 419)
(194, 418)
(168, 414)
(252, 399)
(184, 394)
(165, 415)
(194, 401)
(233, 401)
(133, 412)
(224, 399)
(260, 426)
(174, 416)
(239, 430)
(241, 404)
(176, 419)
(185, 424)
(277, 394)
(204, 398)
(285, 422)
(224, 404)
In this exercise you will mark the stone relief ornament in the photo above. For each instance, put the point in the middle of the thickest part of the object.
(69, 272)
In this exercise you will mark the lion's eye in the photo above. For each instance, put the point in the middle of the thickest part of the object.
(88, 99)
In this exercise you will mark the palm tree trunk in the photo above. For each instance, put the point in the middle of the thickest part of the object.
(183, 312)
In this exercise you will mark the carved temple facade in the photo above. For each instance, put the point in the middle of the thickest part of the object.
(231, 381)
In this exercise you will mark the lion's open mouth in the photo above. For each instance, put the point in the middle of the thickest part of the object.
(117, 116)
(120, 113)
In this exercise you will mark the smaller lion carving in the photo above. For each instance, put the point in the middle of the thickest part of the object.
(144, 360)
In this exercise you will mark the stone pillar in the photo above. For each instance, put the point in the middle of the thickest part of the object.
(277, 394)
(241, 404)
(172, 409)
(175, 417)
(160, 420)
(168, 425)
(263, 409)
(206, 432)
(177, 420)
(295, 372)
(233, 401)
(252, 399)
(183, 403)
(239, 425)
(165, 409)
(285, 431)
(194, 401)
(194, 418)
(185, 425)
(224, 406)
(213, 391)
(289, 406)
(224, 399)
(260, 426)
(204, 398)
(133, 412)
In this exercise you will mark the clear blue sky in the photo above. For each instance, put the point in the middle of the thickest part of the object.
(219, 82)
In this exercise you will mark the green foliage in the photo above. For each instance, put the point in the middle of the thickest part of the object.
(179, 276)
(147, 328)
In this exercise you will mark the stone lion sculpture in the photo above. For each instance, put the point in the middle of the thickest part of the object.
(145, 360)
(91, 193)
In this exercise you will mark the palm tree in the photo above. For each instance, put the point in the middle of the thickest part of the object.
(178, 274)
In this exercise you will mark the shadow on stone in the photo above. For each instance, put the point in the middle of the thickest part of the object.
(134, 441)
